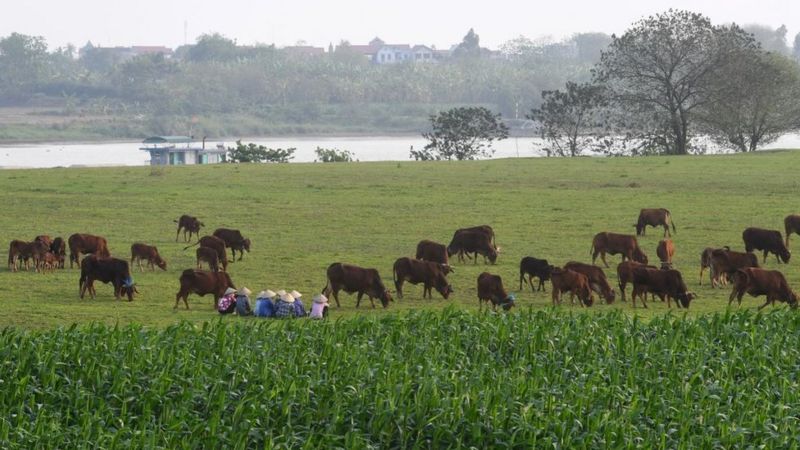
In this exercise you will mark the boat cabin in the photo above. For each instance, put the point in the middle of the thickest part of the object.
(179, 150)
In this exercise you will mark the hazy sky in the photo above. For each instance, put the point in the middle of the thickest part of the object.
(318, 22)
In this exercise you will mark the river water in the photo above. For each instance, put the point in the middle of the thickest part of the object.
(363, 149)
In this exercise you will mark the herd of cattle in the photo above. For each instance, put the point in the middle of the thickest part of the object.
(431, 266)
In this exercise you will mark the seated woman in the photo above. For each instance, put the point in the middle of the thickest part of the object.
(264, 306)
(299, 309)
(243, 302)
(285, 306)
(227, 303)
(319, 307)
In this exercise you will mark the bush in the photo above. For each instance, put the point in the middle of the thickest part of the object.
(327, 155)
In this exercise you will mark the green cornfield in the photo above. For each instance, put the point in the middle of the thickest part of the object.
(537, 378)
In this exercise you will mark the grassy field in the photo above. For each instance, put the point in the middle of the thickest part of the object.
(302, 217)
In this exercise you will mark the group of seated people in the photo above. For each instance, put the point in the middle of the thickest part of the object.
(271, 304)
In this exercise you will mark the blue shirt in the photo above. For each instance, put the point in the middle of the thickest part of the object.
(243, 305)
(264, 308)
(299, 309)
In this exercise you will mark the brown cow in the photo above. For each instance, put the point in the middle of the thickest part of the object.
(51, 262)
(491, 290)
(189, 224)
(234, 240)
(663, 283)
(210, 256)
(59, 248)
(432, 251)
(15, 250)
(86, 243)
(108, 270)
(217, 244)
(352, 279)
(792, 225)
(705, 263)
(770, 241)
(477, 242)
(724, 263)
(431, 274)
(614, 244)
(201, 282)
(44, 239)
(625, 274)
(36, 252)
(147, 253)
(597, 279)
(654, 217)
(577, 284)
(665, 251)
(758, 282)
(534, 267)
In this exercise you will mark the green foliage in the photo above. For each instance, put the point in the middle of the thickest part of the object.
(23, 64)
(470, 46)
(566, 116)
(328, 155)
(253, 153)
(462, 133)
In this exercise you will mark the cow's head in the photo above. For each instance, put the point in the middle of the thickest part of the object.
(443, 287)
(451, 251)
(447, 269)
(385, 298)
(610, 296)
(685, 298)
(639, 256)
(493, 255)
(161, 263)
(246, 245)
(639, 228)
(784, 254)
(128, 288)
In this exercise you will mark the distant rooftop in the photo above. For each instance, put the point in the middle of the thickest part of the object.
(167, 140)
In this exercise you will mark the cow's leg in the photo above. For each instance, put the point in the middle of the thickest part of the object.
(358, 299)
(769, 300)
(765, 256)
(666, 230)
(541, 285)
(603, 257)
(732, 296)
(521, 279)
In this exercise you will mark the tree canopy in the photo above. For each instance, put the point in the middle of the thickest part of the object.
(462, 133)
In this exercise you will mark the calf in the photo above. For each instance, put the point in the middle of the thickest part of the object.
(663, 283)
(477, 242)
(108, 270)
(352, 279)
(202, 283)
(724, 263)
(210, 256)
(59, 248)
(217, 244)
(51, 261)
(234, 240)
(705, 263)
(147, 253)
(84, 244)
(432, 251)
(597, 279)
(758, 282)
(654, 217)
(770, 241)
(533, 267)
(431, 274)
(34, 252)
(614, 244)
(665, 252)
(625, 274)
(577, 284)
(189, 224)
(491, 290)
(792, 225)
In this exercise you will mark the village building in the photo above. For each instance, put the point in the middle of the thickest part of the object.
(180, 150)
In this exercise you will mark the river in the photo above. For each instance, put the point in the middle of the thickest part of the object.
(363, 148)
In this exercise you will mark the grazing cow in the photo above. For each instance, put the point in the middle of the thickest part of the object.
(86, 243)
(352, 279)
(217, 244)
(44, 239)
(625, 274)
(25, 252)
(665, 252)
(477, 242)
(234, 240)
(758, 282)
(201, 282)
(654, 217)
(770, 241)
(614, 244)
(534, 267)
(15, 250)
(36, 252)
(189, 224)
(724, 263)
(147, 253)
(705, 263)
(108, 270)
(432, 251)
(485, 229)
(792, 225)
(577, 284)
(663, 283)
(431, 274)
(597, 279)
(51, 261)
(210, 256)
(491, 290)
(59, 248)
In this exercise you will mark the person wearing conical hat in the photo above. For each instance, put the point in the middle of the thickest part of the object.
(264, 305)
(319, 307)
(299, 308)
(243, 302)
(285, 306)
(227, 303)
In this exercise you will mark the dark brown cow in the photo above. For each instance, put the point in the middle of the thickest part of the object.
(354, 279)
(705, 263)
(757, 282)
(59, 248)
(189, 224)
(614, 244)
(663, 283)
(26, 253)
(665, 251)
(201, 282)
(577, 284)
(15, 250)
(217, 244)
(724, 263)
(770, 241)
(654, 217)
(84, 244)
(534, 267)
(51, 261)
(485, 229)
(792, 225)
(210, 256)
(597, 279)
(431, 274)
(491, 290)
(108, 270)
(234, 240)
(149, 253)
(477, 242)
(625, 274)
(432, 251)
(36, 252)
(44, 239)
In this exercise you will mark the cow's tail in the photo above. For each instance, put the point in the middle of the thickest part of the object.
(175, 221)
(672, 222)
(194, 245)
(591, 249)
